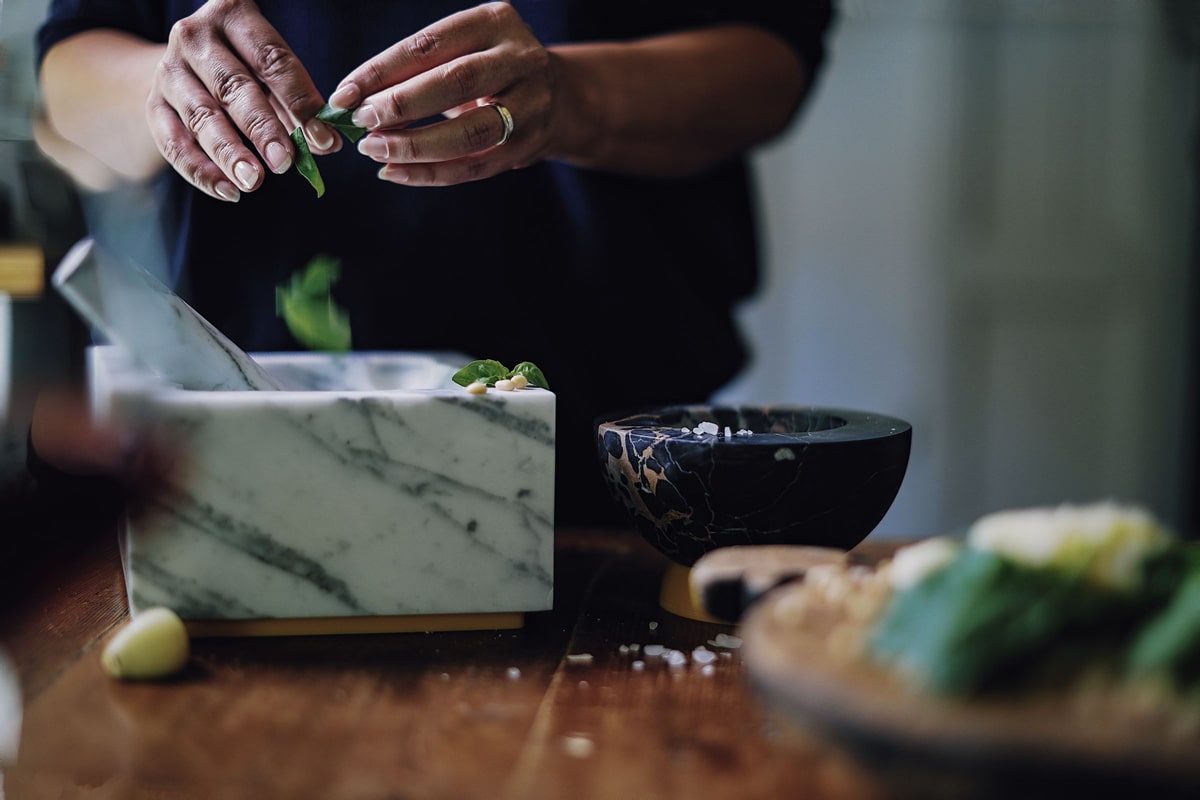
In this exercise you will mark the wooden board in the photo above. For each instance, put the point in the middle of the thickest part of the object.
(1035, 744)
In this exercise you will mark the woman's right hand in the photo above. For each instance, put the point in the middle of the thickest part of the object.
(227, 73)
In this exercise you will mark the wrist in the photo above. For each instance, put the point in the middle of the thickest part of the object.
(580, 126)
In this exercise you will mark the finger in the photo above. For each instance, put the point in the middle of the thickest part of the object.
(215, 135)
(322, 139)
(459, 110)
(275, 66)
(457, 35)
(471, 132)
(236, 90)
(448, 86)
(177, 141)
(447, 173)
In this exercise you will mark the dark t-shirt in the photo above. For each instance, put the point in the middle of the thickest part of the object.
(620, 288)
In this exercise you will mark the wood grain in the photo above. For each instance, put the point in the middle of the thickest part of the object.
(407, 715)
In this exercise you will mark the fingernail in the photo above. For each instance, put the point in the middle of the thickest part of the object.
(373, 146)
(279, 158)
(227, 192)
(394, 174)
(246, 174)
(366, 117)
(318, 133)
(345, 96)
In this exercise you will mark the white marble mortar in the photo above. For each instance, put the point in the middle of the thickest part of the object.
(378, 487)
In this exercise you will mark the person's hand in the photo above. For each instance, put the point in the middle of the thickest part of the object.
(227, 73)
(466, 67)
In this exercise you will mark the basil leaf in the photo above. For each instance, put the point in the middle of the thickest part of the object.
(320, 274)
(317, 323)
(981, 622)
(341, 121)
(531, 373)
(487, 372)
(305, 164)
(1170, 641)
(308, 310)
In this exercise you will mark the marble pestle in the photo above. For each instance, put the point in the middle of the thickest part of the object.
(134, 311)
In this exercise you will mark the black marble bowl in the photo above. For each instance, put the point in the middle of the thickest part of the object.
(769, 475)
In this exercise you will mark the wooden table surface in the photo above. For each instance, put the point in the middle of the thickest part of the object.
(399, 716)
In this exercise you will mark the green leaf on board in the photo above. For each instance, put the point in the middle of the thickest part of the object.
(531, 373)
(488, 371)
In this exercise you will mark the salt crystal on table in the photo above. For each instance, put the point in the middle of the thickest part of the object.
(707, 427)
(653, 626)
(654, 650)
(725, 640)
(728, 433)
(623, 649)
(676, 658)
(579, 658)
(702, 655)
(513, 673)
(707, 669)
(638, 665)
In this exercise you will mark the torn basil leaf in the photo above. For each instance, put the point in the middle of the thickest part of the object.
(341, 121)
(308, 309)
(306, 165)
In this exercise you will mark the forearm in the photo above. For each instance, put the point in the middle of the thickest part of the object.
(94, 86)
(88, 172)
(674, 104)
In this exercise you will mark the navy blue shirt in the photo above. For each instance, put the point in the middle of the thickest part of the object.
(622, 289)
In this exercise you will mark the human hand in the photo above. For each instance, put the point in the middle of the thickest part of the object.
(227, 72)
(463, 67)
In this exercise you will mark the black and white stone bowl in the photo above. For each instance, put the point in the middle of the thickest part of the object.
(768, 475)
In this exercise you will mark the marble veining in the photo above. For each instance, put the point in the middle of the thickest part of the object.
(413, 498)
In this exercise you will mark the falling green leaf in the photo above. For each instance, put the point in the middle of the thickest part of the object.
(308, 309)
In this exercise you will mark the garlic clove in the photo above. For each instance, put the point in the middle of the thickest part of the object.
(153, 644)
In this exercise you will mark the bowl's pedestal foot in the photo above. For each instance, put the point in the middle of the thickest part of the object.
(676, 595)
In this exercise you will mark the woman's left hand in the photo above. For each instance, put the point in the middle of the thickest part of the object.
(466, 67)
